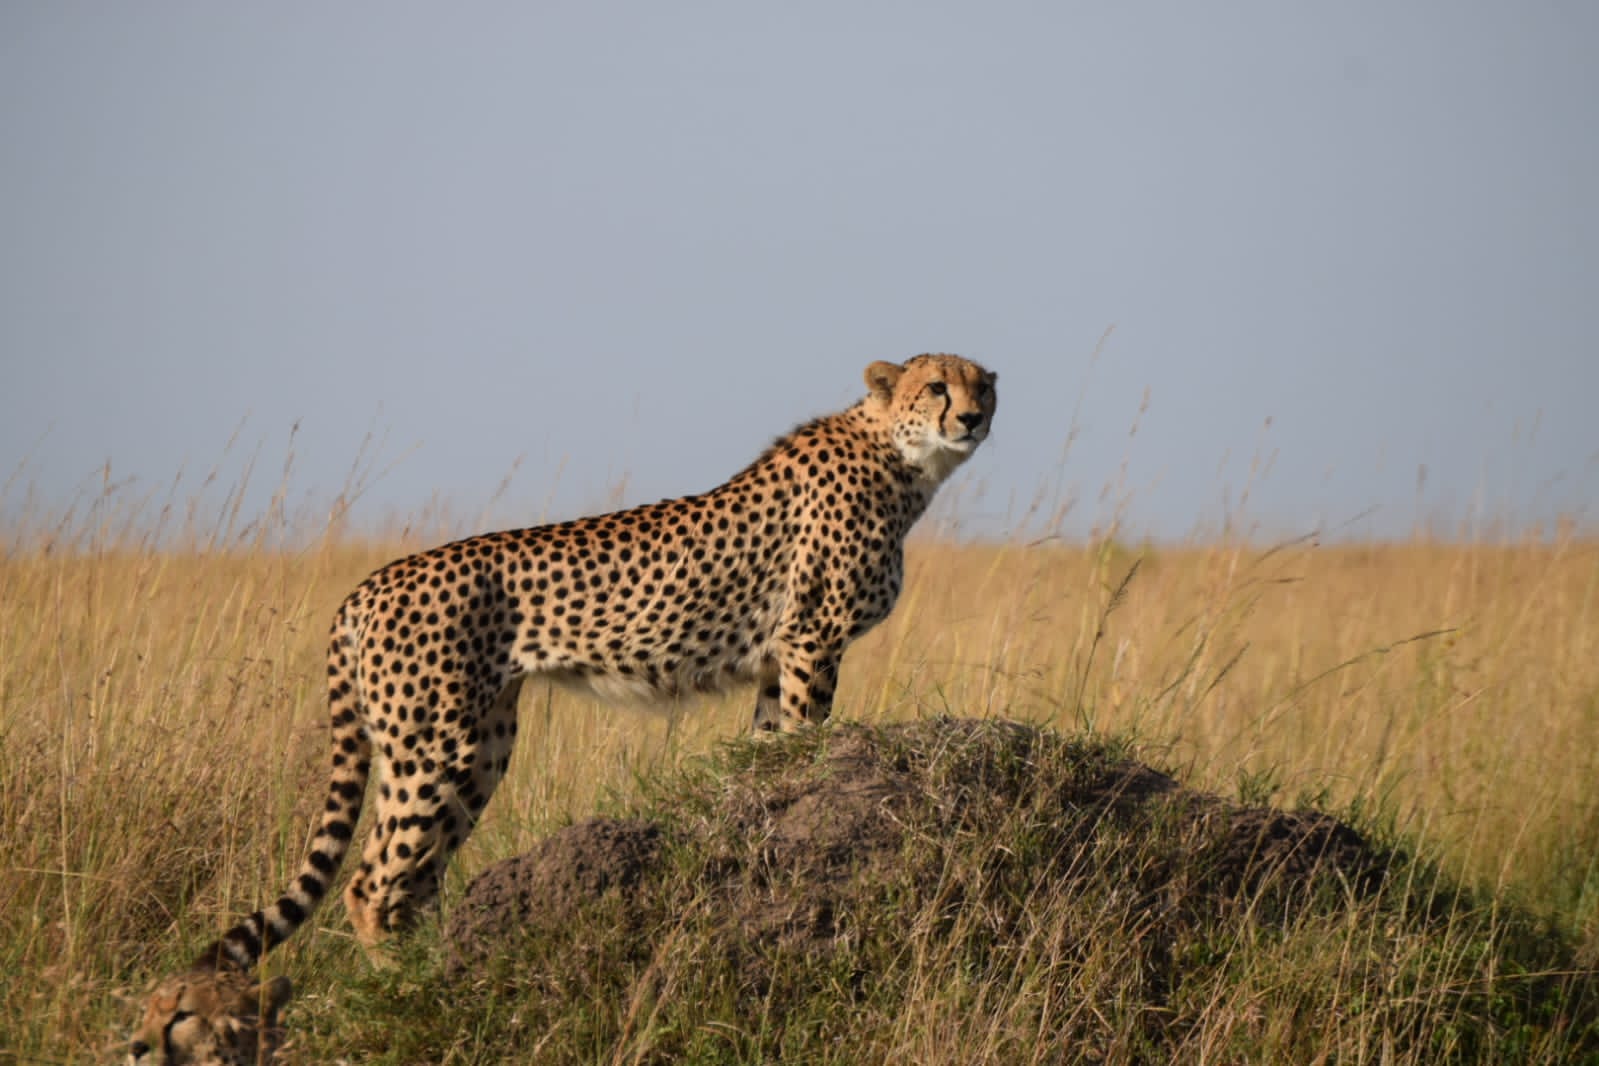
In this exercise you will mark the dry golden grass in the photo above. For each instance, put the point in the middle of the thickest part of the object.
(162, 720)
(1456, 687)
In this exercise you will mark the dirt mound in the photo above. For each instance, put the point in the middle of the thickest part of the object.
(543, 888)
(808, 842)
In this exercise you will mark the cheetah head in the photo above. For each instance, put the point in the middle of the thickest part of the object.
(939, 409)
(210, 1018)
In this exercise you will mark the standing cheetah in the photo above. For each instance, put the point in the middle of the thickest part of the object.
(765, 579)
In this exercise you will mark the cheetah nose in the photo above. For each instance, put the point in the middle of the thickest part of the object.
(970, 419)
(139, 1049)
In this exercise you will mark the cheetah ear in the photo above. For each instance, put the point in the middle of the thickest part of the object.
(267, 998)
(881, 378)
(279, 991)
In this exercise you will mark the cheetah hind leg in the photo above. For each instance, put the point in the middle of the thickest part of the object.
(419, 824)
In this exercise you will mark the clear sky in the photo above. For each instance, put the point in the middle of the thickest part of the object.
(1336, 243)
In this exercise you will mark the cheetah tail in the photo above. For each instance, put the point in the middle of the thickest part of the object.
(242, 946)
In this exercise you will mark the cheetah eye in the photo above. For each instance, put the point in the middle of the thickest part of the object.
(983, 390)
(937, 388)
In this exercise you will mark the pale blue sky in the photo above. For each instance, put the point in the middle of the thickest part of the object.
(643, 239)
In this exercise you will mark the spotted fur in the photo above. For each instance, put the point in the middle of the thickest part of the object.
(765, 579)
(210, 1018)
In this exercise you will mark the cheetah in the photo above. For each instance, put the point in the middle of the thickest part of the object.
(222, 1018)
(765, 579)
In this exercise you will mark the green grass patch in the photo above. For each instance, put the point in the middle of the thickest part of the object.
(957, 892)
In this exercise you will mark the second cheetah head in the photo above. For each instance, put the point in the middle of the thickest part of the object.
(210, 1018)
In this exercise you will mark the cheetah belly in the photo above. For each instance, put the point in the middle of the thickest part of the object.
(661, 651)
(628, 679)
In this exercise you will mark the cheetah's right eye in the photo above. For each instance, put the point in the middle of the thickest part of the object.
(937, 388)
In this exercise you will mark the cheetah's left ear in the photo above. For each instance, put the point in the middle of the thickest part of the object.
(264, 1000)
(881, 378)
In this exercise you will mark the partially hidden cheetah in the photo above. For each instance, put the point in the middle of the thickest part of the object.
(212, 1018)
(765, 579)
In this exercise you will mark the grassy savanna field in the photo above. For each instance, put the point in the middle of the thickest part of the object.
(162, 746)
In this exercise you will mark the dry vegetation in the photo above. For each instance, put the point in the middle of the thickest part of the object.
(161, 727)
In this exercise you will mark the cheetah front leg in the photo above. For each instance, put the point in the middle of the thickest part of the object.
(798, 689)
(769, 699)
